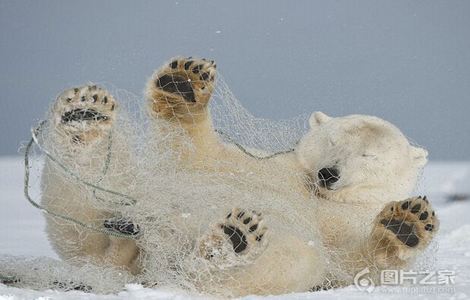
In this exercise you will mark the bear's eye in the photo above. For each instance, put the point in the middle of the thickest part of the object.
(368, 155)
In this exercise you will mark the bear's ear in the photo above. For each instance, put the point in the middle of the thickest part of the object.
(318, 118)
(419, 155)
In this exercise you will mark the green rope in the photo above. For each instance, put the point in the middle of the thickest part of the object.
(75, 176)
(243, 149)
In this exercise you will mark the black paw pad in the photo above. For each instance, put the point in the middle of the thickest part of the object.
(429, 227)
(122, 225)
(237, 238)
(174, 64)
(403, 231)
(253, 228)
(405, 205)
(80, 114)
(423, 216)
(197, 69)
(176, 85)
(205, 76)
(188, 64)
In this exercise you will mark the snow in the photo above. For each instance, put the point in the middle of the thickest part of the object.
(22, 232)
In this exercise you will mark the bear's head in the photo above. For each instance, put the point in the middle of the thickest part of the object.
(359, 158)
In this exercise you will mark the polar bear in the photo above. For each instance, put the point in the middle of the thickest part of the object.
(357, 165)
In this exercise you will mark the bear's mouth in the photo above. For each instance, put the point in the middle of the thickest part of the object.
(80, 114)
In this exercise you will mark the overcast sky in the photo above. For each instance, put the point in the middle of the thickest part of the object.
(405, 61)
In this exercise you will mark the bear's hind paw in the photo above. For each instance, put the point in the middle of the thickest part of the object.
(236, 241)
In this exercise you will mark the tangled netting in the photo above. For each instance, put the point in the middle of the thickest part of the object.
(131, 195)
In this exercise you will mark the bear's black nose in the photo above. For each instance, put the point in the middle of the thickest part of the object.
(328, 176)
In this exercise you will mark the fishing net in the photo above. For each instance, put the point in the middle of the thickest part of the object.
(131, 197)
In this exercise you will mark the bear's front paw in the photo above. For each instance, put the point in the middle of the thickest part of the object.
(182, 88)
(403, 229)
(85, 113)
(236, 241)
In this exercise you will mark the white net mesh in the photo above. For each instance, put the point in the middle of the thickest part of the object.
(156, 194)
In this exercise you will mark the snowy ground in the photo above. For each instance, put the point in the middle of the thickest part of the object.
(21, 231)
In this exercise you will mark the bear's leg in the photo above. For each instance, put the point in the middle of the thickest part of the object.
(179, 92)
(79, 135)
(235, 241)
(401, 231)
(247, 259)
